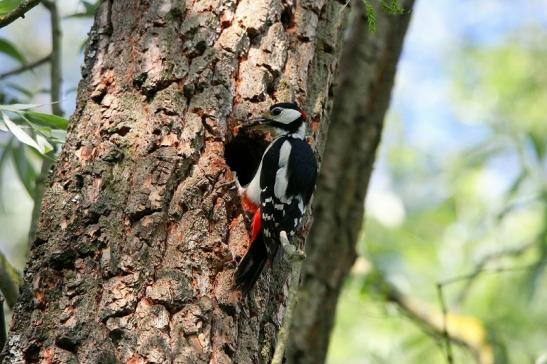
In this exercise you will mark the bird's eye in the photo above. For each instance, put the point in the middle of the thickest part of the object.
(276, 111)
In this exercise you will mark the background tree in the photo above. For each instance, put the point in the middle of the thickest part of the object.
(456, 193)
(367, 71)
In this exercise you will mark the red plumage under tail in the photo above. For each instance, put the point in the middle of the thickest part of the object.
(251, 265)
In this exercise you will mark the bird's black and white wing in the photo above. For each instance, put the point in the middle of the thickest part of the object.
(286, 188)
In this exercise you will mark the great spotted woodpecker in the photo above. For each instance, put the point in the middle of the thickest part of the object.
(281, 189)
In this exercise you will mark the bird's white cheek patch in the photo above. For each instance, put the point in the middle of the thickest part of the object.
(287, 116)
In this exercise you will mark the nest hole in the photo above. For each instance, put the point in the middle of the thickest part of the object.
(243, 154)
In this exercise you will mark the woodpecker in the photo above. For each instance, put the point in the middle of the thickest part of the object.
(280, 189)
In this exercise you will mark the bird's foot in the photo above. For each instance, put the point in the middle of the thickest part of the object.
(293, 253)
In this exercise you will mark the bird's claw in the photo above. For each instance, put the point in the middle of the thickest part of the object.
(293, 253)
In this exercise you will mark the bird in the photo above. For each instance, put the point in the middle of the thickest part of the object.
(280, 189)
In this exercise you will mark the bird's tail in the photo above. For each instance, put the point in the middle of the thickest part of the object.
(251, 265)
(253, 262)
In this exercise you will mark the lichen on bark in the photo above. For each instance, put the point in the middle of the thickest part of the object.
(140, 228)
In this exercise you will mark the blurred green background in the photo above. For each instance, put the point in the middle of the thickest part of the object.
(460, 190)
(457, 205)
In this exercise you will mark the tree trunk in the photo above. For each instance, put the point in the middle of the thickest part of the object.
(367, 71)
(140, 228)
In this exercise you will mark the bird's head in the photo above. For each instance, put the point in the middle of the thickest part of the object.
(282, 118)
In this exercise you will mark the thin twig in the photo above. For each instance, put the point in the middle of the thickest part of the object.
(25, 68)
(439, 327)
(463, 277)
(440, 285)
(296, 257)
(479, 267)
(426, 319)
(10, 280)
(56, 70)
(446, 336)
(18, 12)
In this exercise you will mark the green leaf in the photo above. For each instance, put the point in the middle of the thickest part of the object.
(4, 153)
(538, 144)
(392, 7)
(19, 107)
(58, 136)
(499, 345)
(89, 6)
(90, 9)
(8, 5)
(3, 127)
(514, 188)
(371, 16)
(43, 90)
(44, 144)
(536, 276)
(19, 88)
(9, 49)
(25, 170)
(53, 121)
(20, 134)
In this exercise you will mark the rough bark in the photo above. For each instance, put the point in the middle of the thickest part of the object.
(362, 94)
(140, 230)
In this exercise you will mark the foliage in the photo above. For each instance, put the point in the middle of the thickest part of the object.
(392, 7)
(7, 5)
(30, 131)
(10, 50)
(477, 213)
(89, 9)
(27, 137)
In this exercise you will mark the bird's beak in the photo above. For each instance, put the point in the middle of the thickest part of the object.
(262, 123)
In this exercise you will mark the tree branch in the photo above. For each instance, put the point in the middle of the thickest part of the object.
(362, 94)
(479, 267)
(481, 349)
(444, 331)
(497, 270)
(18, 12)
(436, 323)
(26, 67)
(10, 280)
(56, 70)
(3, 335)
